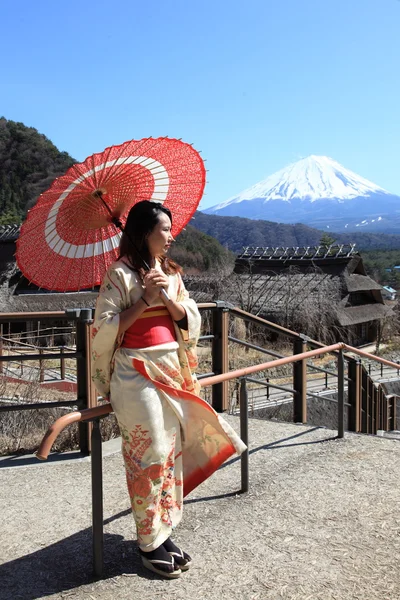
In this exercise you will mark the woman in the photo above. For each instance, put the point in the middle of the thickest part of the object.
(144, 354)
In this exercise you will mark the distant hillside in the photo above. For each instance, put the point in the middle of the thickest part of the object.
(197, 252)
(29, 162)
(236, 232)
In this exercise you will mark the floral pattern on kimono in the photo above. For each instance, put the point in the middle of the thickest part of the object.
(172, 440)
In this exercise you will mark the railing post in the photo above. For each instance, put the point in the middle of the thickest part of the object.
(82, 323)
(1, 347)
(244, 434)
(340, 394)
(369, 405)
(97, 499)
(391, 401)
(41, 367)
(385, 412)
(364, 400)
(300, 383)
(373, 408)
(380, 410)
(220, 357)
(91, 389)
(62, 363)
(354, 394)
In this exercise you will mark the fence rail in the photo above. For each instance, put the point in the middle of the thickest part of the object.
(95, 414)
(363, 414)
(369, 408)
(81, 320)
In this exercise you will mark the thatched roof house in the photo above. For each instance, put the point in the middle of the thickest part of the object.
(317, 291)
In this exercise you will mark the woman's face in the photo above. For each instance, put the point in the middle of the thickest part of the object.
(160, 239)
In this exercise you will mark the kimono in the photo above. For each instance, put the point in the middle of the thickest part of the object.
(172, 440)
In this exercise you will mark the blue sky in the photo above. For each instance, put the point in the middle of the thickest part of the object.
(253, 84)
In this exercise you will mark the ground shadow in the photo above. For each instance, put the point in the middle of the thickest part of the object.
(281, 445)
(67, 564)
(277, 445)
(26, 460)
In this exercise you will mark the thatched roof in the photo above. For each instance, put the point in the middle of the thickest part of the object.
(354, 315)
(202, 296)
(45, 302)
(266, 294)
(294, 291)
(360, 283)
(339, 261)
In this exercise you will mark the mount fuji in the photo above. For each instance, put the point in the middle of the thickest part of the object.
(318, 192)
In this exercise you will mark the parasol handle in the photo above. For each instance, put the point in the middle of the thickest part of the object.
(165, 294)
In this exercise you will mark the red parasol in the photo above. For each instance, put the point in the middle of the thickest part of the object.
(70, 237)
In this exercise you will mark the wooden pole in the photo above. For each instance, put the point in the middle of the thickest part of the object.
(300, 383)
(340, 395)
(41, 367)
(62, 363)
(1, 347)
(354, 394)
(220, 357)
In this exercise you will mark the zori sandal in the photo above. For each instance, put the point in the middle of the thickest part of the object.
(182, 559)
(156, 565)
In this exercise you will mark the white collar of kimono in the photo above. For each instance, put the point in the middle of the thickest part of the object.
(157, 263)
(64, 248)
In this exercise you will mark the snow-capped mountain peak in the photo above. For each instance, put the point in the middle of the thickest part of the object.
(317, 191)
(309, 179)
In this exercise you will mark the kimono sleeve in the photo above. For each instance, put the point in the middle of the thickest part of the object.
(188, 339)
(191, 336)
(110, 303)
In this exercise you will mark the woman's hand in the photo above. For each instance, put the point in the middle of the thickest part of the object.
(153, 281)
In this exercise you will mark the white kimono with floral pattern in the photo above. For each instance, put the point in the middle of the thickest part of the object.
(172, 440)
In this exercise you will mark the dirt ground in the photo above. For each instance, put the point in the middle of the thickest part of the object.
(321, 522)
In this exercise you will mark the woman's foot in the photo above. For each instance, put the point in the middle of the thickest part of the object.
(161, 562)
(182, 559)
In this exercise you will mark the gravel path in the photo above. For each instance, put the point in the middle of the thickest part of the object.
(321, 522)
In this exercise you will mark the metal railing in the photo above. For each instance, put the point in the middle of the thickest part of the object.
(95, 414)
(16, 349)
(81, 319)
(367, 410)
(368, 407)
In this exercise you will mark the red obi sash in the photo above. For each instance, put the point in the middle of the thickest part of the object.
(152, 328)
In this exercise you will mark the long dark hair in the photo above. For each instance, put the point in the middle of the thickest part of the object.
(142, 219)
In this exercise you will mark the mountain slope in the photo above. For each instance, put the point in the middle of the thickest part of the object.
(29, 162)
(317, 191)
(236, 232)
(197, 251)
